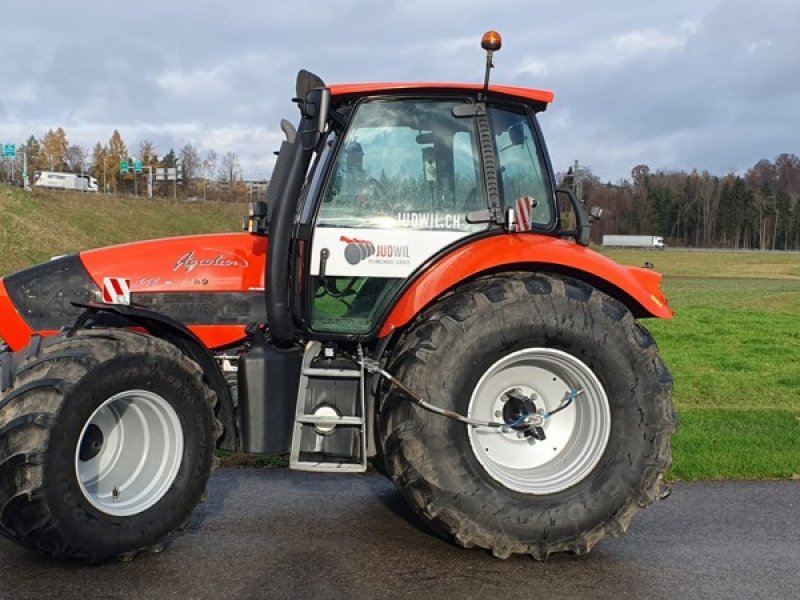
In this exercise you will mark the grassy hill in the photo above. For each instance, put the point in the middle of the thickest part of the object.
(35, 226)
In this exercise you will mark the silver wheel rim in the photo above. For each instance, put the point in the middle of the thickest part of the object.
(129, 453)
(576, 437)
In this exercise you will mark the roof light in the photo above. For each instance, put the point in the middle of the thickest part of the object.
(491, 41)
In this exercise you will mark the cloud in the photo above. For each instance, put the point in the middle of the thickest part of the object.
(612, 53)
(178, 82)
(675, 85)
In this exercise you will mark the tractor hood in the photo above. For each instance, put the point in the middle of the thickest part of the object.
(212, 283)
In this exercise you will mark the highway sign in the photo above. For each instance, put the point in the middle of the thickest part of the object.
(137, 166)
(10, 151)
(123, 166)
(166, 174)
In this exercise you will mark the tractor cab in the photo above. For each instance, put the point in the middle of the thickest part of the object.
(403, 182)
(385, 179)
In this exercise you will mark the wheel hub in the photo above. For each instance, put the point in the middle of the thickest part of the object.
(520, 414)
(551, 439)
(92, 443)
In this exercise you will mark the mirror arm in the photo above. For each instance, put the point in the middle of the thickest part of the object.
(583, 225)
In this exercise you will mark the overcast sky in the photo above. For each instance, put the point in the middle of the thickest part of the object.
(678, 84)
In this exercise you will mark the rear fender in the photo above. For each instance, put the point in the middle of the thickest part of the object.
(639, 289)
(176, 333)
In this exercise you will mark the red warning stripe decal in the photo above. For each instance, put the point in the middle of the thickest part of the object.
(524, 213)
(116, 290)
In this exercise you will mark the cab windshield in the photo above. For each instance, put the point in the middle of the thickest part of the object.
(411, 164)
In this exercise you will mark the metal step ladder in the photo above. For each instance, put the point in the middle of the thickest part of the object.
(329, 428)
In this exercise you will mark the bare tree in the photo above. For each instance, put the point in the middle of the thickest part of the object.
(230, 172)
(77, 159)
(147, 152)
(190, 161)
(209, 168)
(210, 163)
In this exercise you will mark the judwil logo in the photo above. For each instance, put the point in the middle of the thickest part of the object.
(356, 250)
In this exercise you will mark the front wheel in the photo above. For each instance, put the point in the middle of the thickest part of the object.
(572, 360)
(106, 443)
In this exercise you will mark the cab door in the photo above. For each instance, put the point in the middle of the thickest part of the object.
(405, 175)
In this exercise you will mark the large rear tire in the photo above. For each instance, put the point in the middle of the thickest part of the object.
(541, 336)
(107, 440)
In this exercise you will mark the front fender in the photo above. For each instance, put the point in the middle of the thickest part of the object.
(639, 289)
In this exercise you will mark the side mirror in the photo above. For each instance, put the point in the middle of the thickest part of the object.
(574, 222)
(315, 115)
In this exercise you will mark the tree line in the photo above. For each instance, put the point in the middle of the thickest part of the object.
(210, 175)
(759, 210)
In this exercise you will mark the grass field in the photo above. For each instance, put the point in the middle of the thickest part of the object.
(734, 351)
(34, 226)
(733, 347)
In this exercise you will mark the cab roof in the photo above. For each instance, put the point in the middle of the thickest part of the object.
(365, 89)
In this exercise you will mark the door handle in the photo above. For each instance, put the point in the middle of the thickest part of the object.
(324, 254)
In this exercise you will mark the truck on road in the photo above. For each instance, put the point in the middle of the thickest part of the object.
(634, 241)
(65, 181)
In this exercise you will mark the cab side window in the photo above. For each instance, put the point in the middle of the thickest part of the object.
(522, 168)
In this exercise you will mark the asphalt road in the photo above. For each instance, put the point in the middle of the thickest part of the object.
(279, 534)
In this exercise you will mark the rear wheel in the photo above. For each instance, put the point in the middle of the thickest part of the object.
(585, 373)
(106, 443)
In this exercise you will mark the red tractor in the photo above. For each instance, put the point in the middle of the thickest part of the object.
(415, 293)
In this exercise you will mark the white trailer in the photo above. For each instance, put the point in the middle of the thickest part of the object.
(634, 241)
(65, 181)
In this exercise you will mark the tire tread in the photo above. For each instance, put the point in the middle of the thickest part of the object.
(44, 373)
(436, 329)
